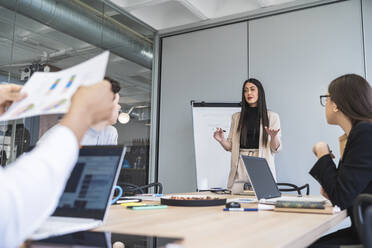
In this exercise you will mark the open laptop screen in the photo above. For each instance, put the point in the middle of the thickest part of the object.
(261, 178)
(89, 189)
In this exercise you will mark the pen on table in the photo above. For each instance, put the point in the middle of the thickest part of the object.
(240, 209)
(132, 204)
(128, 201)
(146, 207)
(153, 195)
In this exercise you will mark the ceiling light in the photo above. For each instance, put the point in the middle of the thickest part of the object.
(124, 118)
(147, 54)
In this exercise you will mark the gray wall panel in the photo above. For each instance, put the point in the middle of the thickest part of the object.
(296, 55)
(208, 65)
(367, 18)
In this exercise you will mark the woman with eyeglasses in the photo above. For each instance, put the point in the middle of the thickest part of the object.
(348, 104)
(254, 131)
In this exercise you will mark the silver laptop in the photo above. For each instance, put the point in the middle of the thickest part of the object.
(87, 196)
(264, 185)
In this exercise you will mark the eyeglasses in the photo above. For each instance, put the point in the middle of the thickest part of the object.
(323, 99)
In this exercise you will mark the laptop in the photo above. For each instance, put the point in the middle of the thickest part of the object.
(264, 185)
(87, 195)
(90, 239)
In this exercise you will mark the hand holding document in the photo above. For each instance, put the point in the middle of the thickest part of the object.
(10, 93)
(51, 92)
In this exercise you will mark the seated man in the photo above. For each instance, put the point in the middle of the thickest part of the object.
(104, 133)
(31, 186)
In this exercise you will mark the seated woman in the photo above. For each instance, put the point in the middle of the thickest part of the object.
(348, 104)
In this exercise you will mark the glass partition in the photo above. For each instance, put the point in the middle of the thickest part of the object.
(29, 44)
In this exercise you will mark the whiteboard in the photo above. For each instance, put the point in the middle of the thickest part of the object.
(212, 161)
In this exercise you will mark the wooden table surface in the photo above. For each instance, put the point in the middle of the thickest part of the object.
(212, 227)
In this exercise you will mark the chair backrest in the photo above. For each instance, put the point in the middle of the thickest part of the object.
(135, 189)
(367, 227)
(289, 187)
(363, 218)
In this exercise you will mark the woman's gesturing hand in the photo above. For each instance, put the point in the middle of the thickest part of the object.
(218, 135)
(272, 132)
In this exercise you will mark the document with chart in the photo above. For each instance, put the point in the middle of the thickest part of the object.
(50, 92)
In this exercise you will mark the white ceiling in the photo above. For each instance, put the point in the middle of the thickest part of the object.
(163, 14)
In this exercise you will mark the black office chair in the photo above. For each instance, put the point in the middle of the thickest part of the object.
(289, 187)
(132, 189)
(363, 218)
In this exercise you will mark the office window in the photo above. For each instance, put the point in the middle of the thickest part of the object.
(29, 44)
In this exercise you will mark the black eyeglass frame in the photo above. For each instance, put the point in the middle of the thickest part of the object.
(321, 97)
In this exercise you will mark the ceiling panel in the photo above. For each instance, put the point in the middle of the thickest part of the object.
(166, 14)
(221, 8)
(163, 14)
(226, 8)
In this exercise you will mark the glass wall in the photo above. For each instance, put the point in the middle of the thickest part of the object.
(29, 44)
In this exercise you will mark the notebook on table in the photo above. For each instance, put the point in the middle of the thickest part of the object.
(87, 195)
(264, 185)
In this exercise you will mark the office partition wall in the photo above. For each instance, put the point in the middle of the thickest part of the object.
(208, 65)
(296, 55)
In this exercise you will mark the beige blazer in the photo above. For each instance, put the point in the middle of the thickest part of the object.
(264, 151)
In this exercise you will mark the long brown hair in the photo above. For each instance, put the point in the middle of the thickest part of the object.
(353, 96)
(262, 111)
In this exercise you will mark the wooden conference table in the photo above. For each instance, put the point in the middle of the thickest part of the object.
(212, 227)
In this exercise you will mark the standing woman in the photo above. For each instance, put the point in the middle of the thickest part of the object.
(254, 131)
(348, 104)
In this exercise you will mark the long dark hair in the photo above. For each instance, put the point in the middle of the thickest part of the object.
(262, 111)
(353, 97)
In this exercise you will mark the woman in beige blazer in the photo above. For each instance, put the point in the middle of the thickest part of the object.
(254, 131)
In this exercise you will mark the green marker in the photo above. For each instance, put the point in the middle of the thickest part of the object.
(147, 207)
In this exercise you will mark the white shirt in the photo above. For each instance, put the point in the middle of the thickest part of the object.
(108, 136)
(31, 186)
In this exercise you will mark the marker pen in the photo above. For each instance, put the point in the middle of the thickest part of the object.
(240, 209)
(147, 207)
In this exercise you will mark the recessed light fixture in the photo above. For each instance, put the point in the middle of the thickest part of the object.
(124, 117)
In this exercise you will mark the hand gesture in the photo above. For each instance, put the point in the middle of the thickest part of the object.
(218, 135)
(320, 149)
(85, 111)
(9, 93)
(84, 101)
(272, 132)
